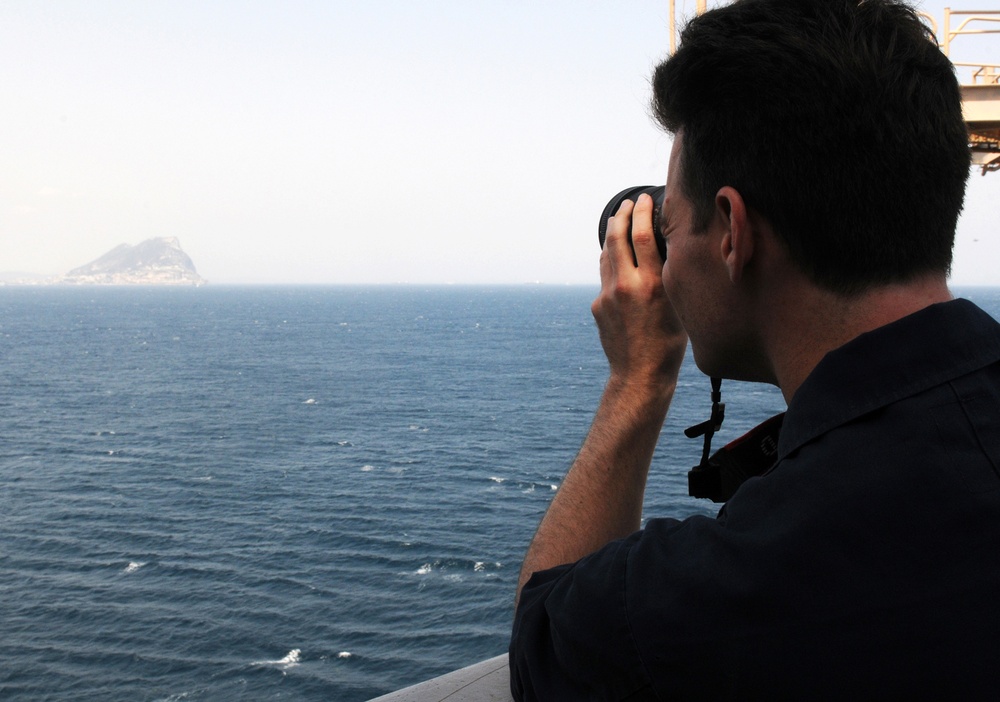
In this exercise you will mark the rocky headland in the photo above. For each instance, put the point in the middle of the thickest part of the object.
(157, 261)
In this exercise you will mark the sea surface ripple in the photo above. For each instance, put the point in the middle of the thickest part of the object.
(307, 493)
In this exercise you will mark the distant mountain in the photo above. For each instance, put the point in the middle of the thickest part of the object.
(153, 262)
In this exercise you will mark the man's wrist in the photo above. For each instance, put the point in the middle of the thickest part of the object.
(642, 394)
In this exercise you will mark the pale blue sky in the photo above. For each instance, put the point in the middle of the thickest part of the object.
(345, 142)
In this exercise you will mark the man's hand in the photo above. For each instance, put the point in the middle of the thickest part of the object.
(601, 497)
(640, 332)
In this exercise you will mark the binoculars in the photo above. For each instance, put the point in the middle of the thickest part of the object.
(654, 191)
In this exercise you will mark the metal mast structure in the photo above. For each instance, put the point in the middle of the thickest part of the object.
(980, 87)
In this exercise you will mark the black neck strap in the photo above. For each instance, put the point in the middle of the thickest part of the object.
(712, 425)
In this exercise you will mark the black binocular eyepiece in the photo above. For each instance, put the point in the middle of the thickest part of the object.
(656, 192)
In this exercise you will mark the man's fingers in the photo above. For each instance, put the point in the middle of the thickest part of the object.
(643, 239)
(617, 241)
(630, 241)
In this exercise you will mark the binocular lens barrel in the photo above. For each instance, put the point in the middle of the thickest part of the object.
(656, 192)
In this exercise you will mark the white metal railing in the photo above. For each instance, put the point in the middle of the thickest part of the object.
(985, 74)
(978, 16)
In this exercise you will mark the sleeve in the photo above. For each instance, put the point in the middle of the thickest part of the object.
(572, 638)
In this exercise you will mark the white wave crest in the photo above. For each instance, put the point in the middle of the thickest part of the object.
(482, 566)
(291, 659)
(132, 567)
(178, 696)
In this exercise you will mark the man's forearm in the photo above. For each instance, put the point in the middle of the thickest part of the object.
(600, 499)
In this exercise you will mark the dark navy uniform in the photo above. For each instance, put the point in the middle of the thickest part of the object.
(865, 564)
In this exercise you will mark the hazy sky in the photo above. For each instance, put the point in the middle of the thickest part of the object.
(346, 142)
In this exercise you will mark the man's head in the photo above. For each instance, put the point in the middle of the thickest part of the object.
(838, 121)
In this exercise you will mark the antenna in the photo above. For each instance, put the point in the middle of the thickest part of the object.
(701, 6)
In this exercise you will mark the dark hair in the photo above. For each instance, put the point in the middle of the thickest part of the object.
(839, 121)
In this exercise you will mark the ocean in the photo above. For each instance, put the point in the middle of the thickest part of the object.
(302, 493)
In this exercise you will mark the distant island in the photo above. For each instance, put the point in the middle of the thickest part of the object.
(158, 261)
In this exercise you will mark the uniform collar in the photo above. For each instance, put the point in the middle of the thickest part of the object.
(929, 347)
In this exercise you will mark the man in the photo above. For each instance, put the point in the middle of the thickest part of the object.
(817, 173)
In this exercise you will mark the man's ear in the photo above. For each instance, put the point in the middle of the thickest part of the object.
(737, 239)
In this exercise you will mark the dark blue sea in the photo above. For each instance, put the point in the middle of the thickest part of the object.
(302, 493)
